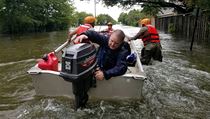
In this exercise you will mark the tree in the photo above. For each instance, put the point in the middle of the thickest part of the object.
(79, 18)
(181, 6)
(103, 19)
(19, 16)
(132, 17)
(123, 18)
(150, 9)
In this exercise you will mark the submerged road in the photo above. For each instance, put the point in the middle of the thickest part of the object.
(177, 88)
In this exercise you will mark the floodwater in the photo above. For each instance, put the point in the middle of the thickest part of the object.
(177, 88)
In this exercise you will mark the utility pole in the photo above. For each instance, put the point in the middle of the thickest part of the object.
(95, 2)
(95, 7)
(196, 20)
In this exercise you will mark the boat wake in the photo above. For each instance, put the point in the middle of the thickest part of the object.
(21, 61)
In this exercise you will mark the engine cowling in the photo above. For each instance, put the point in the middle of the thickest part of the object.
(78, 61)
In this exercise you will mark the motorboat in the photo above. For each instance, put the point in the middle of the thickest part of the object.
(129, 85)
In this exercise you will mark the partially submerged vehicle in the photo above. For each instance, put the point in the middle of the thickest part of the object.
(78, 62)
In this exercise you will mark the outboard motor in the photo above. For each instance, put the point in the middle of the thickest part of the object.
(78, 64)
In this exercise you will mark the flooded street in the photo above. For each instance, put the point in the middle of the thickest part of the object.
(177, 88)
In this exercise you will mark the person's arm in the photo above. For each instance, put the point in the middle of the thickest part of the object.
(139, 34)
(120, 67)
(93, 36)
(104, 30)
(72, 34)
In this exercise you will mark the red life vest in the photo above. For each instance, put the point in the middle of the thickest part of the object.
(110, 30)
(151, 35)
(83, 28)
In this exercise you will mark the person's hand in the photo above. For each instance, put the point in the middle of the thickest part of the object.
(80, 38)
(68, 40)
(99, 75)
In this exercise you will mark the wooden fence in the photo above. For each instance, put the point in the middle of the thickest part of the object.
(183, 25)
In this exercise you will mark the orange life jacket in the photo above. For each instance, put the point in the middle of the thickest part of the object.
(83, 28)
(151, 35)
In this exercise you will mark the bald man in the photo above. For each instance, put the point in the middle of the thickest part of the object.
(112, 53)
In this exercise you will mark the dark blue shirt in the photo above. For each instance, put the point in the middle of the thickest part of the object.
(111, 62)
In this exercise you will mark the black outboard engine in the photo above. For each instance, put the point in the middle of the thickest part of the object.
(78, 64)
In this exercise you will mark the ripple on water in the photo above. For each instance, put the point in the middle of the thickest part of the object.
(61, 107)
(16, 86)
(173, 88)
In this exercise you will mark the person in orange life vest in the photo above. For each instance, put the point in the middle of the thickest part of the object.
(89, 23)
(152, 47)
(108, 30)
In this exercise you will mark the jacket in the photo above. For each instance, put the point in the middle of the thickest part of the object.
(111, 62)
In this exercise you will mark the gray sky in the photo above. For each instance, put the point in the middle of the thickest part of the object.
(88, 6)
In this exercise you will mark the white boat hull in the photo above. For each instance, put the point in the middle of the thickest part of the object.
(129, 85)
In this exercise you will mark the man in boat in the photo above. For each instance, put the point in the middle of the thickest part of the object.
(111, 55)
(152, 47)
(89, 23)
(108, 30)
(111, 60)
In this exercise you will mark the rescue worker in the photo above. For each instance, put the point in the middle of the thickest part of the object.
(112, 53)
(89, 23)
(150, 37)
(108, 30)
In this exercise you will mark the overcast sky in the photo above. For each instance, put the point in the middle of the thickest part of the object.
(88, 6)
